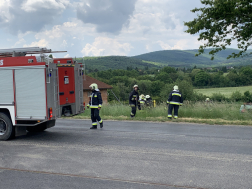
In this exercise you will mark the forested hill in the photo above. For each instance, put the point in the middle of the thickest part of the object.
(173, 58)
(187, 58)
(115, 62)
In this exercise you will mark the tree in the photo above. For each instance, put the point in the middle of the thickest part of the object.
(201, 78)
(220, 23)
(168, 69)
(165, 77)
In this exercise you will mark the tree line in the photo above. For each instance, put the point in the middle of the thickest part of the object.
(159, 82)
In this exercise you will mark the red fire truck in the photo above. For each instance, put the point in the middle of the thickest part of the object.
(30, 90)
(70, 86)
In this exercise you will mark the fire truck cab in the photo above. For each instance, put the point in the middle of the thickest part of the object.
(29, 96)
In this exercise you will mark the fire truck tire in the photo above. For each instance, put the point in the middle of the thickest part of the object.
(39, 128)
(7, 131)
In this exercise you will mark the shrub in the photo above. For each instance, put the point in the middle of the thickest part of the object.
(198, 97)
(218, 97)
(247, 97)
(236, 96)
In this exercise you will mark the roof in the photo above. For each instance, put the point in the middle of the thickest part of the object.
(89, 80)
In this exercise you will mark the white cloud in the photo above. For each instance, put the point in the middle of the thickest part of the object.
(103, 46)
(34, 5)
(40, 43)
(106, 15)
(5, 15)
(20, 16)
(148, 25)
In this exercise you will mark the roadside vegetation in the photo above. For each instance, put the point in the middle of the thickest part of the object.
(227, 87)
(198, 112)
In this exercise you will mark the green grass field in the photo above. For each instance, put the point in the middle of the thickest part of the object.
(227, 91)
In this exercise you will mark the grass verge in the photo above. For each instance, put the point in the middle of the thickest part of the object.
(212, 113)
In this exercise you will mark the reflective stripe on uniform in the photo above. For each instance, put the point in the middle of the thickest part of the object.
(175, 103)
(99, 105)
(169, 115)
(94, 124)
(177, 94)
(100, 121)
(175, 117)
(94, 106)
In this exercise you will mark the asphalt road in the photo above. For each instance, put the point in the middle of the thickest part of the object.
(141, 155)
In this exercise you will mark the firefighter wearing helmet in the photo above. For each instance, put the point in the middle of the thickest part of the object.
(148, 100)
(134, 100)
(95, 105)
(174, 101)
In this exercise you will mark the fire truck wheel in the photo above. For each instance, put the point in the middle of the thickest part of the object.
(7, 131)
(38, 128)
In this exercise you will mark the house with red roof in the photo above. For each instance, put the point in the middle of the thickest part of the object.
(103, 87)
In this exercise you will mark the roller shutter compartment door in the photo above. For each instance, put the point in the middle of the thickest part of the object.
(30, 93)
(6, 87)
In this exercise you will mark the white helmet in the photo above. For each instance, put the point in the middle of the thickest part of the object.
(147, 96)
(94, 86)
(175, 87)
(135, 86)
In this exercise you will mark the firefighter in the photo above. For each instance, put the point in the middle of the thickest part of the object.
(134, 101)
(174, 101)
(95, 104)
(141, 101)
(148, 100)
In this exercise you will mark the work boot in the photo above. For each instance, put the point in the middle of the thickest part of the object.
(101, 124)
(93, 127)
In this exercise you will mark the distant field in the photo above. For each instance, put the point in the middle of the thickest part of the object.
(227, 91)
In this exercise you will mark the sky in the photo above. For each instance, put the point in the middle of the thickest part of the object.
(97, 27)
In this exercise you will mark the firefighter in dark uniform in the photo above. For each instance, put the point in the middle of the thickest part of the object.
(174, 101)
(134, 101)
(95, 104)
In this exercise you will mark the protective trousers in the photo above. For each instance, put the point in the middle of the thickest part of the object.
(170, 108)
(133, 110)
(95, 116)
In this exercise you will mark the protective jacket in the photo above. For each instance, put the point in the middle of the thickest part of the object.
(95, 100)
(133, 95)
(175, 97)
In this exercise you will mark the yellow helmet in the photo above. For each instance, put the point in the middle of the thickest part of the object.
(93, 86)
